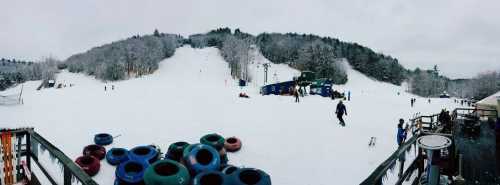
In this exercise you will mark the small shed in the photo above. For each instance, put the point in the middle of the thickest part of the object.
(322, 87)
(281, 88)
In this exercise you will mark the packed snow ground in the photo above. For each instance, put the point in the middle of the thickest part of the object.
(192, 94)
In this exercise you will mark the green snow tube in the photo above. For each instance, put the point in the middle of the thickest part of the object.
(166, 172)
(214, 140)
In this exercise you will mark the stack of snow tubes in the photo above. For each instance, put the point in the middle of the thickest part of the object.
(204, 163)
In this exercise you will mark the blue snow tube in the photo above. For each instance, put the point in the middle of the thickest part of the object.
(203, 157)
(103, 139)
(117, 155)
(131, 171)
(146, 153)
(210, 178)
(253, 176)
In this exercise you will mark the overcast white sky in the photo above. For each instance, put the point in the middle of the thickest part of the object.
(461, 36)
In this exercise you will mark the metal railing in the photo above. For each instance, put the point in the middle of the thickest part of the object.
(26, 138)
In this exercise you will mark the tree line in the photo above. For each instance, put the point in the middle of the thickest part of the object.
(135, 56)
(14, 71)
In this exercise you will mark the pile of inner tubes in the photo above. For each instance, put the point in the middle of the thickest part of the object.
(204, 163)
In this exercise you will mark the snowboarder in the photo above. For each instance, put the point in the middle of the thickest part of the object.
(341, 110)
(401, 137)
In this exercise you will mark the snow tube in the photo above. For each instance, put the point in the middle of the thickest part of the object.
(131, 171)
(203, 157)
(89, 164)
(229, 169)
(103, 139)
(166, 172)
(214, 140)
(232, 144)
(249, 176)
(175, 150)
(146, 153)
(117, 155)
(95, 150)
(210, 178)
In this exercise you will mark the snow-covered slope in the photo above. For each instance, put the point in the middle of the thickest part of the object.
(192, 94)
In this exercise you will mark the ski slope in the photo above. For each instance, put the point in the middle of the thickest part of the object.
(192, 94)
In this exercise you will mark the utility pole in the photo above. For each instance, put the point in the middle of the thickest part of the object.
(266, 66)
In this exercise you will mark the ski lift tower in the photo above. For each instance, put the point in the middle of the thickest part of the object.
(266, 66)
(433, 145)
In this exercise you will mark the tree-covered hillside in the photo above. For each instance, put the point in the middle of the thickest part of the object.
(135, 56)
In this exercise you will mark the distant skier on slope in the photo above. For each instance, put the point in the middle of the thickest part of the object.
(341, 110)
(401, 137)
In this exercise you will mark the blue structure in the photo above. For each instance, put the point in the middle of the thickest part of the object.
(322, 87)
(278, 88)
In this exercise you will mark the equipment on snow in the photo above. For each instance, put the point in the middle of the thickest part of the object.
(103, 139)
(115, 156)
(250, 176)
(232, 144)
(166, 172)
(89, 164)
(95, 150)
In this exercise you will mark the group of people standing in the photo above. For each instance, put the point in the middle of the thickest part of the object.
(106, 87)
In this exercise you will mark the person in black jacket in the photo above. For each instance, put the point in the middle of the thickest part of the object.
(341, 110)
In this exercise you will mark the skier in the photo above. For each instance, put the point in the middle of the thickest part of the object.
(401, 137)
(348, 95)
(411, 102)
(112, 87)
(341, 110)
(429, 100)
(104, 88)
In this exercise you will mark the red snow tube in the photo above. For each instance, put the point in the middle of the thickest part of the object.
(232, 144)
(95, 150)
(89, 164)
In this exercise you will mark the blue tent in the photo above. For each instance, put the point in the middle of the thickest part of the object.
(277, 88)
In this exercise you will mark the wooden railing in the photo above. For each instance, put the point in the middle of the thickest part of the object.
(27, 139)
